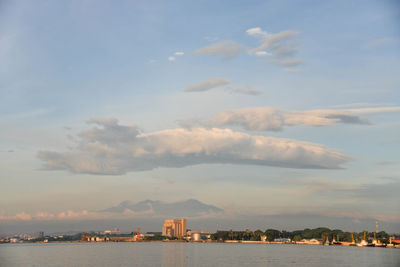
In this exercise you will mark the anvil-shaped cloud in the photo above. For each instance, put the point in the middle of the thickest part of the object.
(115, 149)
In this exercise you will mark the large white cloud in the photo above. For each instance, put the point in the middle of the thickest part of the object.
(114, 149)
(226, 49)
(273, 119)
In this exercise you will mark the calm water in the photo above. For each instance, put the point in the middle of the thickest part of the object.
(192, 254)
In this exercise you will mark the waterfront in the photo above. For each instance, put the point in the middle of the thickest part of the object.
(191, 254)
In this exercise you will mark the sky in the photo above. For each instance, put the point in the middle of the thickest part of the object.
(281, 114)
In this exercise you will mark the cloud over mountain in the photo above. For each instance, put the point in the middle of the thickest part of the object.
(115, 149)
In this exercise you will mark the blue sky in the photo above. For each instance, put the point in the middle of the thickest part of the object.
(266, 72)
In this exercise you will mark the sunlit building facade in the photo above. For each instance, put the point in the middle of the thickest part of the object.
(174, 228)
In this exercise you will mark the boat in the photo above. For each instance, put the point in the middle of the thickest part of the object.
(336, 243)
(364, 243)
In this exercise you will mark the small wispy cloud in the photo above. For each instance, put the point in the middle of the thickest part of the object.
(247, 90)
(207, 85)
(377, 43)
(226, 49)
(361, 104)
(375, 110)
(46, 216)
(176, 54)
(211, 38)
(279, 44)
(273, 119)
(289, 63)
(257, 31)
(262, 53)
(292, 70)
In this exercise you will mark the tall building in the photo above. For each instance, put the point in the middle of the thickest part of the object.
(174, 228)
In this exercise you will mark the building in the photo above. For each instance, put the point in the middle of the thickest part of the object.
(115, 231)
(174, 228)
(312, 241)
(283, 240)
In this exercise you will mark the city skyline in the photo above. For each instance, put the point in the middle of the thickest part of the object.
(121, 114)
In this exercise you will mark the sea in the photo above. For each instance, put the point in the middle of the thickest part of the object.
(192, 254)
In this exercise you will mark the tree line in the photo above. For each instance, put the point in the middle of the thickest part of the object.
(297, 235)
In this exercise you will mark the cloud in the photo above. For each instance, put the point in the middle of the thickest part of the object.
(289, 63)
(48, 216)
(218, 82)
(310, 186)
(292, 70)
(207, 85)
(377, 43)
(256, 32)
(361, 104)
(376, 110)
(371, 194)
(279, 44)
(226, 49)
(245, 91)
(115, 150)
(273, 119)
(173, 58)
(262, 53)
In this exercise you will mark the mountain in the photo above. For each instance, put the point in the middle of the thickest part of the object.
(186, 208)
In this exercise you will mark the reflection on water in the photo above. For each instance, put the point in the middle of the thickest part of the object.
(173, 254)
(168, 254)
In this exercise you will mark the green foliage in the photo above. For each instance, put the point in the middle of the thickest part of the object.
(156, 237)
(297, 238)
(272, 234)
(297, 235)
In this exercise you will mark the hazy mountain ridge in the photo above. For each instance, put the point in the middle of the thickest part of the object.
(185, 208)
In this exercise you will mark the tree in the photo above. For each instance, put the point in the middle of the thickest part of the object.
(297, 238)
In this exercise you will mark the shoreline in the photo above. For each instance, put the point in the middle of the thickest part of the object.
(205, 241)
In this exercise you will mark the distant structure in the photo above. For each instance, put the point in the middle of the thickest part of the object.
(114, 231)
(377, 227)
(174, 228)
(137, 236)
